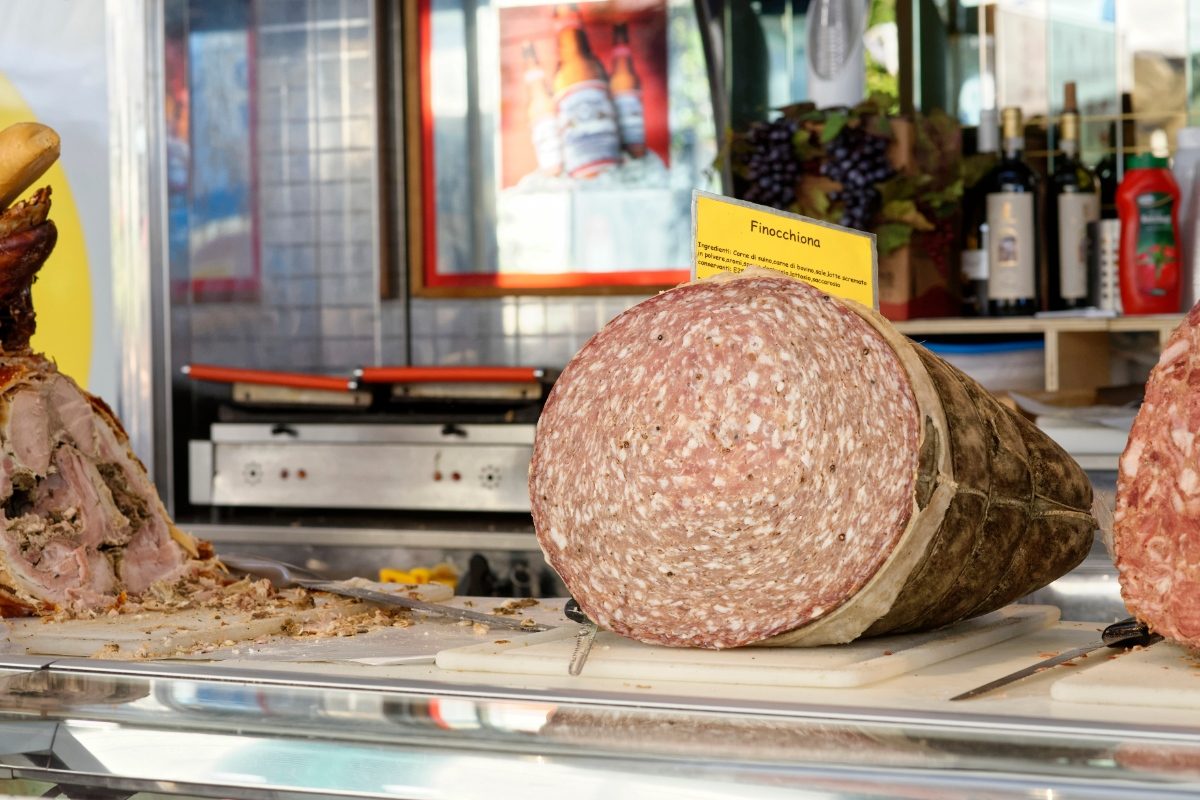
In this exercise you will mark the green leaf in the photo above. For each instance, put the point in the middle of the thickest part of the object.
(881, 11)
(834, 123)
(882, 99)
(975, 167)
(948, 196)
(938, 145)
(812, 195)
(798, 110)
(880, 125)
(906, 211)
(891, 236)
(806, 150)
(901, 187)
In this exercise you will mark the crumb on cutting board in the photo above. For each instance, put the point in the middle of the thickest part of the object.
(509, 608)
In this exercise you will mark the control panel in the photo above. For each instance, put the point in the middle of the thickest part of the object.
(431, 471)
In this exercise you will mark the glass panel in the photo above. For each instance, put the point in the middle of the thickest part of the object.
(1081, 44)
(1020, 27)
(271, 141)
(767, 47)
(970, 78)
(227, 734)
(1193, 65)
(1151, 65)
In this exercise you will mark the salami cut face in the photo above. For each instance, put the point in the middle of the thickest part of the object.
(725, 462)
(1156, 529)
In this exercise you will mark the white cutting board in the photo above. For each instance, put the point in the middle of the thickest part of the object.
(854, 664)
(1163, 675)
(156, 633)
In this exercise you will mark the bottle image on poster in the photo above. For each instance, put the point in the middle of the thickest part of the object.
(587, 118)
(543, 116)
(626, 88)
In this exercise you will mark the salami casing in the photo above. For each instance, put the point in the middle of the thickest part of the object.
(749, 460)
(1156, 527)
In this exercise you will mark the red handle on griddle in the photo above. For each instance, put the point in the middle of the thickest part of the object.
(292, 380)
(448, 374)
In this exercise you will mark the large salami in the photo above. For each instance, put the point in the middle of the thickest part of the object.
(1156, 527)
(751, 461)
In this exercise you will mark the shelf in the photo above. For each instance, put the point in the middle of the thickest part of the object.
(1078, 349)
(1001, 325)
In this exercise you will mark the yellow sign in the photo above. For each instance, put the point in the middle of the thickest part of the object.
(731, 235)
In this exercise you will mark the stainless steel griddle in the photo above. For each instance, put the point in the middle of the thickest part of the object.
(404, 438)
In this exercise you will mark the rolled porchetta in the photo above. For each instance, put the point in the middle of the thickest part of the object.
(81, 524)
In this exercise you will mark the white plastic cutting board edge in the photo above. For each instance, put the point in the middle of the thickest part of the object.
(835, 666)
(1163, 675)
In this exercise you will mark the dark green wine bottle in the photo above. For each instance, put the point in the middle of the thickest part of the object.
(1012, 225)
(1072, 204)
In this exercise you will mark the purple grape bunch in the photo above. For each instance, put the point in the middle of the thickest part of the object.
(771, 165)
(858, 161)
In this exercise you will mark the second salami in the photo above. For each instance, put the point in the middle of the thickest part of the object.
(1156, 530)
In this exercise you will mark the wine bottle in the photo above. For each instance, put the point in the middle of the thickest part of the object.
(1073, 203)
(1012, 226)
(974, 258)
(1106, 175)
(1107, 167)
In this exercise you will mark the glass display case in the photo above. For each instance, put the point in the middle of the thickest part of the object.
(85, 730)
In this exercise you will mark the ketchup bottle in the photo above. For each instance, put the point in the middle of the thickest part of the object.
(1148, 205)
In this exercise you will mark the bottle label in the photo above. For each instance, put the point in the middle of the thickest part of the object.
(974, 265)
(1156, 261)
(1012, 255)
(631, 118)
(587, 124)
(1075, 211)
(546, 144)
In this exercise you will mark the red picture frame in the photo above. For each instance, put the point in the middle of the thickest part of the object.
(425, 277)
(185, 79)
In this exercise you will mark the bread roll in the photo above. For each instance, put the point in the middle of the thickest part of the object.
(27, 149)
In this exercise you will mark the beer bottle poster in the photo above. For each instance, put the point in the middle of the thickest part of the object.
(585, 179)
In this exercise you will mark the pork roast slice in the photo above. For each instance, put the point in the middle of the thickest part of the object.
(81, 519)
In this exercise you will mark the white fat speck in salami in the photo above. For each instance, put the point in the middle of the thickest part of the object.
(1156, 531)
(693, 521)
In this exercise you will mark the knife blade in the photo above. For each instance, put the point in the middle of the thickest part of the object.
(583, 640)
(280, 573)
(1120, 636)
